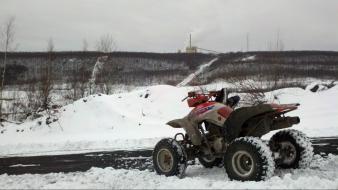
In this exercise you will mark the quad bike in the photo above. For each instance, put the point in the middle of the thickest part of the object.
(219, 135)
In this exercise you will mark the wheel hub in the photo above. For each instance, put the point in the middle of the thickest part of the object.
(288, 152)
(165, 160)
(242, 163)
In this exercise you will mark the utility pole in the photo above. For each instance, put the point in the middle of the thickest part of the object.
(277, 43)
(247, 42)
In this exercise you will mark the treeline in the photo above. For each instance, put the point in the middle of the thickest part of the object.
(121, 67)
(140, 68)
(82, 54)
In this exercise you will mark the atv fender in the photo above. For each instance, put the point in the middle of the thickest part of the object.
(176, 123)
(233, 125)
(190, 128)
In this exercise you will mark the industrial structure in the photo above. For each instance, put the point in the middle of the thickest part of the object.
(190, 48)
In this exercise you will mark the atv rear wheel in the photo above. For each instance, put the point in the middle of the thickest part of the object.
(292, 149)
(210, 162)
(169, 158)
(248, 159)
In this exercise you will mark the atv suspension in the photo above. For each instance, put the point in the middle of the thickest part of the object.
(206, 141)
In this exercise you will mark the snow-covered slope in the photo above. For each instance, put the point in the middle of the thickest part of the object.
(200, 70)
(138, 120)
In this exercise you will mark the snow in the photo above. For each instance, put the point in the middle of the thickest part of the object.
(196, 73)
(23, 165)
(137, 120)
(317, 111)
(249, 58)
(322, 174)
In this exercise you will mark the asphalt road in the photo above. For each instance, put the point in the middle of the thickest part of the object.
(136, 159)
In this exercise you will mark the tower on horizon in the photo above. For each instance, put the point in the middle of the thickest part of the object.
(190, 48)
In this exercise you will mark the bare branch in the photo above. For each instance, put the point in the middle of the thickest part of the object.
(8, 34)
(106, 44)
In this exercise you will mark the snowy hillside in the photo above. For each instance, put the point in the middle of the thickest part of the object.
(138, 120)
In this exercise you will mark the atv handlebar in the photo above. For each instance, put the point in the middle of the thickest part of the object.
(199, 98)
(193, 94)
(210, 94)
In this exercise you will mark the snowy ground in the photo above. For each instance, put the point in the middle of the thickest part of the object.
(137, 120)
(322, 174)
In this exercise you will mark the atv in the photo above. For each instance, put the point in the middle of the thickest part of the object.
(220, 136)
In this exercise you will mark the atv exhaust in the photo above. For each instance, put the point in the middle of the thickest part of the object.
(284, 122)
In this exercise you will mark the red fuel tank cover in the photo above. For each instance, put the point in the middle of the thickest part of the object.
(224, 111)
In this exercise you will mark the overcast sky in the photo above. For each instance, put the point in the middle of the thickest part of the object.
(164, 25)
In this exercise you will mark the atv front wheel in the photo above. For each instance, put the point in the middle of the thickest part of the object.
(292, 149)
(210, 162)
(248, 159)
(169, 158)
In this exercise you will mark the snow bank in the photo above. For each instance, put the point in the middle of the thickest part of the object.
(317, 111)
(138, 120)
(100, 122)
(322, 174)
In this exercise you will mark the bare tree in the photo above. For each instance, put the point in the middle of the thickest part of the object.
(84, 45)
(104, 81)
(279, 42)
(252, 92)
(17, 106)
(45, 88)
(73, 80)
(78, 83)
(106, 44)
(7, 41)
(83, 80)
(46, 83)
(33, 100)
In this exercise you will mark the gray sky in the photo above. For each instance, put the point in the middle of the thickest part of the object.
(164, 25)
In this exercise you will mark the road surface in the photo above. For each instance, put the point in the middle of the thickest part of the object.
(136, 159)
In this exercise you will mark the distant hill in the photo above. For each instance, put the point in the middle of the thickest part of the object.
(131, 68)
(140, 68)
